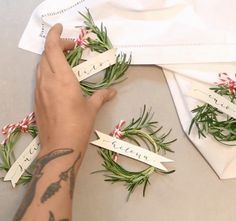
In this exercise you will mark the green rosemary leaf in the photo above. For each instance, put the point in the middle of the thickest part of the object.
(24, 179)
(164, 172)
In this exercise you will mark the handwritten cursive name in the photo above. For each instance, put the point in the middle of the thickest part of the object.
(128, 150)
(24, 161)
(93, 68)
(219, 102)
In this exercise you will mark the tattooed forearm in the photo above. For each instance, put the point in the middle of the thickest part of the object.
(40, 164)
(63, 176)
(52, 217)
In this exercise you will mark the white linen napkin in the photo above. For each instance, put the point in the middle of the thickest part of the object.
(156, 32)
(222, 158)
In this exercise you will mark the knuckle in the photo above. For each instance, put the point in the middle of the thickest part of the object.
(50, 45)
(100, 99)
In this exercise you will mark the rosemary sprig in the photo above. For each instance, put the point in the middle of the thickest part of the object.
(145, 130)
(102, 43)
(210, 120)
(73, 57)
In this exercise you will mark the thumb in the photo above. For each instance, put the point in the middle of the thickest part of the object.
(100, 97)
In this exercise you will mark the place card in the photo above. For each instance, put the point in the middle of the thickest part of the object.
(23, 162)
(95, 64)
(131, 150)
(203, 93)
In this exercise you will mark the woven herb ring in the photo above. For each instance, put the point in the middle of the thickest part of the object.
(102, 43)
(210, 120)
(142, 129)
(13, 133)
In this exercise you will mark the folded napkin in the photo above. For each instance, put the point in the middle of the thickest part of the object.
(156, 32)
(222, 158)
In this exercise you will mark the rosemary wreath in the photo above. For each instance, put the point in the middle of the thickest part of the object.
(210, 120)
(141, 130)
(7, 155)
(113, 75)
(100, 44)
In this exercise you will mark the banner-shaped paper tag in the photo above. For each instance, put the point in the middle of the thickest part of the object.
(130, 150)
(95, 64)
(23, 162)
(203, 93)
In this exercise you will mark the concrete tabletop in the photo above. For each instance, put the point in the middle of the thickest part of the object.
(192, 193)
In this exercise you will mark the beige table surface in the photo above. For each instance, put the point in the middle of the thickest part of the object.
(192, 193)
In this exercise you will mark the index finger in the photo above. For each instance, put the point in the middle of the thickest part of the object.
(54, 49)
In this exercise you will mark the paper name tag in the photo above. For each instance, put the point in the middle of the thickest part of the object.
(95, 64)
(130, 150)
(23, 162)
(203, 93)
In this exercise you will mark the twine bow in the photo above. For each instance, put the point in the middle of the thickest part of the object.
(22, 125)
(82, 39)
(117, 134)
(226, 80)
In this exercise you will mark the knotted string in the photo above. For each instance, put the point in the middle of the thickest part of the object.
(82, 39)
(117, 134)
(226, 80)
(22, 125)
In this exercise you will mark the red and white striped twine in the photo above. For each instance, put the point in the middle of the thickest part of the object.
(226, 80)
(22, 125)
(117, 134)
(82, 39)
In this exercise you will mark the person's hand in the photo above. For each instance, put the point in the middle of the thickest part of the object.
(64, 116)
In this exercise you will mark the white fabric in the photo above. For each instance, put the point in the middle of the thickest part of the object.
(155, 31)
(163, 32)
(222, 158)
